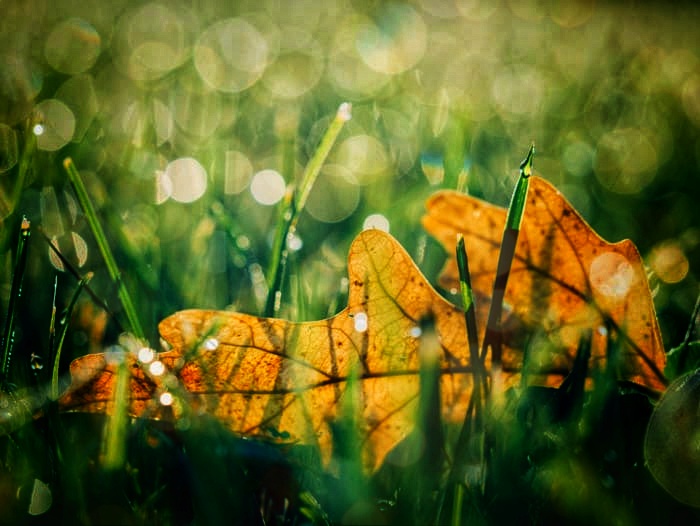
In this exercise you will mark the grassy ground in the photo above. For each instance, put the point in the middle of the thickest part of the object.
(588, 92)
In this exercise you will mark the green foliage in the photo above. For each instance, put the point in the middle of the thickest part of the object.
(610, 94)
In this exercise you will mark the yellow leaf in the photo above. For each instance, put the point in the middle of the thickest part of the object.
(564, 279)
(275, 379)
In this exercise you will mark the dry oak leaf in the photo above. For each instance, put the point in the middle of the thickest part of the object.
(564, 279)
(277, 379)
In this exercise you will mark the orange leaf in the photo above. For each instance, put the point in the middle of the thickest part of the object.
(276, 379)
(564, 279)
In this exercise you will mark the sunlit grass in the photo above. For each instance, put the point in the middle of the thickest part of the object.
(170, 111)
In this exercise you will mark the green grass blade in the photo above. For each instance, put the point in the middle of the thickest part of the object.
(493, 337)
(15, 293)
(64, 329)
(96, 227)
(314, 165)
(293, 205)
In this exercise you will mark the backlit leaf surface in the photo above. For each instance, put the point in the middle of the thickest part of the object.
(564, 279)
(292, 382)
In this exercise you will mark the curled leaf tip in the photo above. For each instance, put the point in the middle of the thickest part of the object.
(526, 165)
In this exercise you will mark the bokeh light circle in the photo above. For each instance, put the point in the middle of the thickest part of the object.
(188, 179)
(231, 55)
(626, 160)
(611, 275)
(72, 46)
(365, 157)
(268, 187)
(334, 196)
(57, 124)
(376, 221)
(296, 70)
(669, 262)
(351, 76)
(395, 42)
(151, 40)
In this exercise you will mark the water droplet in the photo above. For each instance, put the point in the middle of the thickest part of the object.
(211, 344)
(294, 242)
(361, 322)
(157, 368)
(166, 399)
(415, 332)
(146, 355)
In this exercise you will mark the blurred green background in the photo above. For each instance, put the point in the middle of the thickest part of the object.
(188, 120)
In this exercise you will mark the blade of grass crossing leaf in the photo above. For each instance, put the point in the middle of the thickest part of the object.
(15, 293)
(468, 302)
(472, 418)
(115, 429)
(64, 329)
(96, 227)
(279, 255)
(493, 337)
(294, 204)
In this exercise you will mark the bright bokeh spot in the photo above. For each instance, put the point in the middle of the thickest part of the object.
(377, 221)
(361, 322)
(57, 122)
(238, 171)
(395, 42)
(211, 344)
(334, 196)
(146, 355)
(267, 187)
(188, 179)
(166, 399)
(72, 46)
(231, 55)
(669, 262)
(157, 368)
(611, 275)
